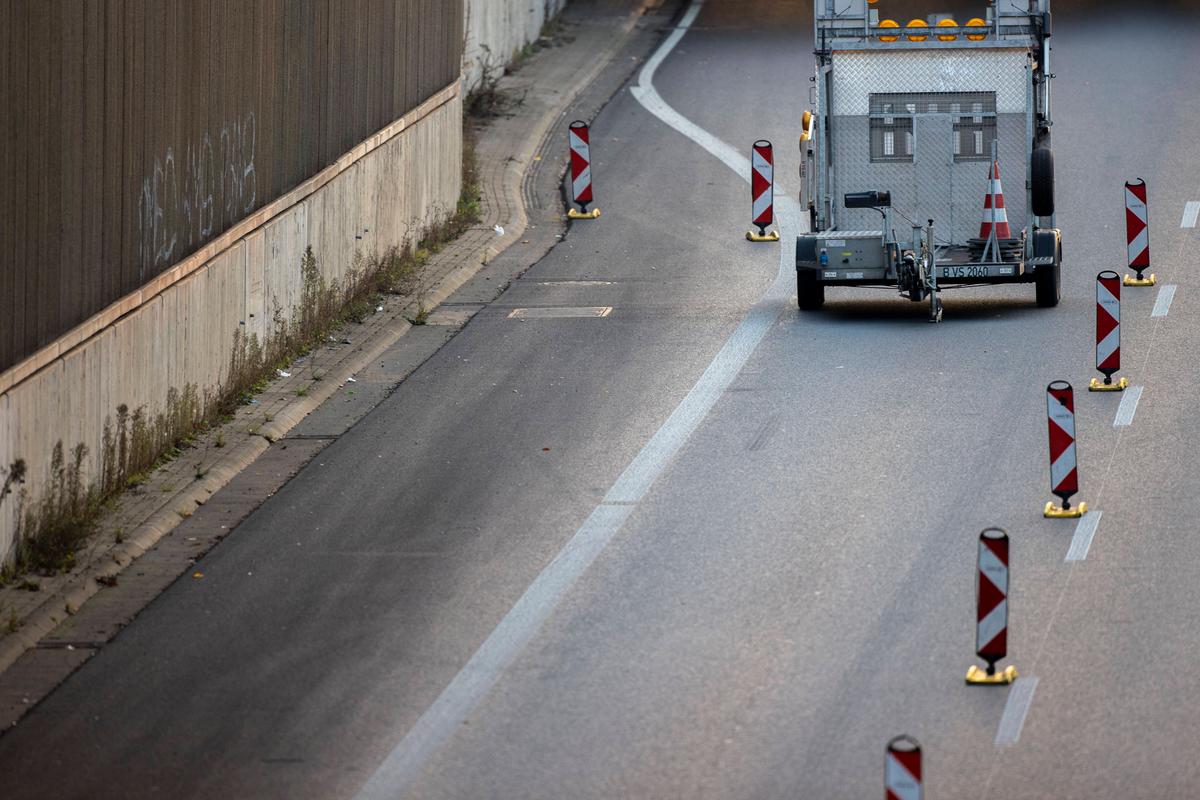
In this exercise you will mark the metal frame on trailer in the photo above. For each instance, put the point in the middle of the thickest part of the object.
(848, 33)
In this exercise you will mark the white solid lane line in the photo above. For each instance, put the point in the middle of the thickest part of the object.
(1085, 531)
(484, 669)
(648, 96)
(456, 702)
(1128, 407)
(1020, 698)
(1162, 305)
(1190, 213)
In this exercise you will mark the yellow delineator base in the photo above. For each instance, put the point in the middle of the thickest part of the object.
(1055, 512)
(1099, 386)
(593, 214)
(1129, 280)
(773, 236)
(979, 677)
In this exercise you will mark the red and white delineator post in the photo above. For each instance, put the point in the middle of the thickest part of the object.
(902, 770)
(991, 609)
(762, 191)
(1108, 332)
(1064, 467)
(579, 140)
(1137, 233)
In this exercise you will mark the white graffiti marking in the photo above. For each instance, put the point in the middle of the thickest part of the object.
(212, 187)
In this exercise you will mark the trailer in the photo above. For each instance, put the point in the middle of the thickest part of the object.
(910, 125)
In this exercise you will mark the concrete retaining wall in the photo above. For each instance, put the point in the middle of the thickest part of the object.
(496, 29)
(179, 329)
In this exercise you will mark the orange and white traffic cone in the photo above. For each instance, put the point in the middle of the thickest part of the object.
(995, 215)
(994, 230)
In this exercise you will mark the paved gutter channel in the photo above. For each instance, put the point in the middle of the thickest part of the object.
(274, 438)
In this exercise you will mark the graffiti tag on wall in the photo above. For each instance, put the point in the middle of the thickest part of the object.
(188, 197)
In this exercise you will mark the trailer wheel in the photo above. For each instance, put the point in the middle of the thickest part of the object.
(1047, 280)
(1042, 178)
(810, 295)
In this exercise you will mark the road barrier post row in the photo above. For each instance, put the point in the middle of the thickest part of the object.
(902, 771)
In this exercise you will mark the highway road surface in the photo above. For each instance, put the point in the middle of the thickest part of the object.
(707, 545)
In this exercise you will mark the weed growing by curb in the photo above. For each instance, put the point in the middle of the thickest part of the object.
(62, 518)
(421, 317)
(487, 100)
(53, 527)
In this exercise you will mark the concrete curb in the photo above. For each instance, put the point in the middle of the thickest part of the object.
(72, 595)
(80, 588)
(291, 416)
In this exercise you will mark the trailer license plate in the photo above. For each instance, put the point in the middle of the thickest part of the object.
(967, 271)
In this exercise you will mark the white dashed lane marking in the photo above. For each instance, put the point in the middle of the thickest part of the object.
(1085, 531)
(1190, 213)
(1128, 407)
(1162, 305)
(1020, 698)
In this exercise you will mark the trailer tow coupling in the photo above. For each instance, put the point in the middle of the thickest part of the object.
(916, 274)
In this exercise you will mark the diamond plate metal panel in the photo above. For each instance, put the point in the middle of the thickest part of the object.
(965, 184)
(933, 152)
(854, 172)
(856, 74)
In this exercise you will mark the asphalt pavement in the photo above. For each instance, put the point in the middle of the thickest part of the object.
(796, 586)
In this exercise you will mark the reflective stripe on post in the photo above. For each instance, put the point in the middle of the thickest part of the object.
(762, 184)
(1137, 226)
(1108, 332)
(991, 597)
(902, 770)
(1060, 412)
(1108, 323)
(581, 163)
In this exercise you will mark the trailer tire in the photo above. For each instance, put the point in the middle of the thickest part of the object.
(810, 295)
(1042, 179)
(1047, 281)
